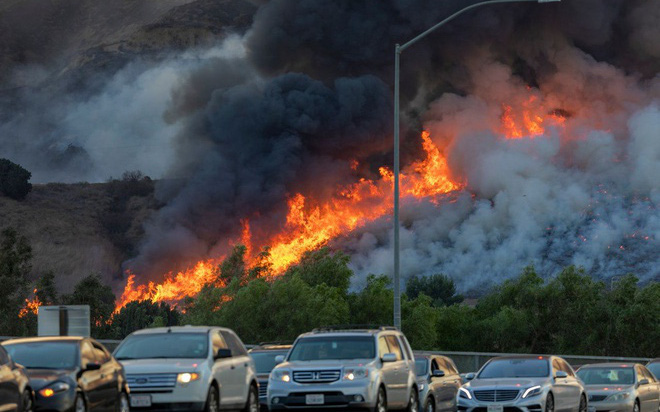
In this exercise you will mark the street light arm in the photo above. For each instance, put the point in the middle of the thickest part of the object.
(458, 13)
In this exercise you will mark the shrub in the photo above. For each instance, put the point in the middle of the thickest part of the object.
(14, 180)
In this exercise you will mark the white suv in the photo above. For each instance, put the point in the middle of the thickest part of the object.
(188, 368)
(371, 369)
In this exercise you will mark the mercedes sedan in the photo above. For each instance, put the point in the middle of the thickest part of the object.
(620, 387)
(523, 384)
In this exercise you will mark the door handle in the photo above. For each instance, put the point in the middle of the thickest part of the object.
(233, 367)
(245, 365)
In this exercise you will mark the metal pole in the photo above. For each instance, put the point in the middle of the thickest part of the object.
(397, 278)
(397, 55)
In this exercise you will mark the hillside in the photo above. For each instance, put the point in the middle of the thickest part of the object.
(66, 225)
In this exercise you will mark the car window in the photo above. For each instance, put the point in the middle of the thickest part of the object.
(556, 365)
(383, 347)
(102, 356)
(406, 347)
(452, 366)
(566, 368)
(188, 345)
(395, 347)
(218, 342)
(607, 375)
(434, 365)
(87, 353)
(333, 348)
(237, 348)
(648, 375)
(4, 358)
(445, 366)
(654, 368)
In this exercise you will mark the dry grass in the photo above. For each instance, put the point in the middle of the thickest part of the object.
(61, 221)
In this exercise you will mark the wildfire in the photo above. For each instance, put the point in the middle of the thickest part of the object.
(30, 306)
(531, 121)
(311, 224)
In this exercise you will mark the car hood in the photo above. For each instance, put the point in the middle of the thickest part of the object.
(316, 365)
(161, 365)
(502, 383)
(40, 378)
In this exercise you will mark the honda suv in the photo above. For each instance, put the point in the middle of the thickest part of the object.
(333, 368)
(188, 368)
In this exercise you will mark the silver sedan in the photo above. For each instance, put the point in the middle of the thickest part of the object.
(620, 387)
(523, 384)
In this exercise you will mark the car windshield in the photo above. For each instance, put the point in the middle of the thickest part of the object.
(45, 355)
(655, 369)
(264, 362)
(607, 376)
(337, 347)
(421, 366)
(164, 345)
(515, 368)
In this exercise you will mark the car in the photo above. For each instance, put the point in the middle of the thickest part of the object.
(523, 383)
(265, 359)
(188, 368)
(346, 368)
(654, 367)
(438, 381)
(16, 393)
(71, 373)
(620, 387)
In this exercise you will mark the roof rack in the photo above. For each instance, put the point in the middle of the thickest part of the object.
(352, 327)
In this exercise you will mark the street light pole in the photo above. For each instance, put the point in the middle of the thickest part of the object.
(397, 56)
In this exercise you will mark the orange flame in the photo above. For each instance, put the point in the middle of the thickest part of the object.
(311, 224)
(30, 306)
(531, 121)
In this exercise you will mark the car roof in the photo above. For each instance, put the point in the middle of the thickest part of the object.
(177, 329)
(512, 357)
(265, 347)
(348, 331)
(44, 339)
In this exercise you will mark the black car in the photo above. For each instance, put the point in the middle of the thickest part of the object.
(15, 391)
(264, 356)
(438, 381)
(71, 373)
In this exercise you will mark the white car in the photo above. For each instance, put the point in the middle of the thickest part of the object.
(188, 368)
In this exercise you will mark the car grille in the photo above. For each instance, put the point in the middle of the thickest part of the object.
(263, 389)
(316, 376)
(597, 398)
(497, 395)
(162, 382)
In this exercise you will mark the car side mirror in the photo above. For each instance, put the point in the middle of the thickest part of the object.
(437, 373)
(469, 376)
(561, 375)
(643, 382)
(223, 354)
(92, 367)
(389, 357)
(279, 358)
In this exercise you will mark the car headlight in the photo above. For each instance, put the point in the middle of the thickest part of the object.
(533, 391)
(618, 397)
(355, 373)
(54, 389)
(464, 393)
(187, 377)
(281, 376)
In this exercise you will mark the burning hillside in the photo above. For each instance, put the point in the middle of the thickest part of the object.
(540, 142)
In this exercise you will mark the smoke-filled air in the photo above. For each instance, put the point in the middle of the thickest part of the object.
(530, 136)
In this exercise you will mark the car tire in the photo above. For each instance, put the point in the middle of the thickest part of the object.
(429, 405)
(252, 404)
(381, 401)
(122, 404)
(550, 403)
(413, 401)
(79, 404)
(27, 401)
(583, 404)
(212, 400)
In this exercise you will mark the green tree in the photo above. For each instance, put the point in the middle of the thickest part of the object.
(101, 300)
(14, 180)
(15, 258)
(440, 288)
(373, 304)
(321, 267)
(142, 314)
(46, 289)
(419, 321)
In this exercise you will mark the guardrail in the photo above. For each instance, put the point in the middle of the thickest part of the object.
(473, 361)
